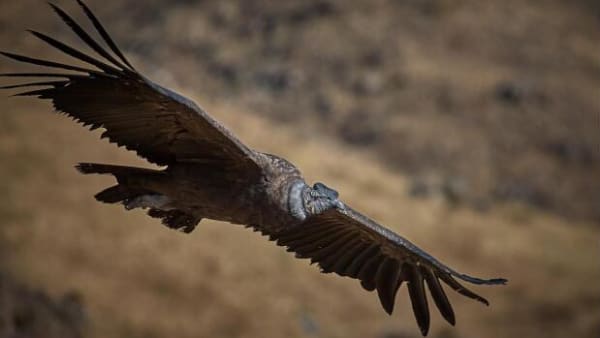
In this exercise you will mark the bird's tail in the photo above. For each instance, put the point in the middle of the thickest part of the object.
(136, 188)
(131, 181)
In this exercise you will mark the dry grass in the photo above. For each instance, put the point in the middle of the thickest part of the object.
(139, 279)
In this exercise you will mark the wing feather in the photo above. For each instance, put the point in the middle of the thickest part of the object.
(341, 254)
(367, 272)
(418, 298)
(35, 84)
(64, 75)
(74, 53)
(387, 279)
(51, 64)
(439, 296)
(103, 33)
(331, 248)
(354, 268)
(85, 37)
(343, 263)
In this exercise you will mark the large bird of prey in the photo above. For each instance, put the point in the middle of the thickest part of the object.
(210, 174)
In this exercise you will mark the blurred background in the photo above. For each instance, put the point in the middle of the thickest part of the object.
(470, 127)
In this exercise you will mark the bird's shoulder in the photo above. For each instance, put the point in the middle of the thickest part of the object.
(274, 166)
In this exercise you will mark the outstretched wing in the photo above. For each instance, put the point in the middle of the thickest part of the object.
(157, 123)
(350, 244)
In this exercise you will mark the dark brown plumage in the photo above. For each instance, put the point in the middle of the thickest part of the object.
(210, 174)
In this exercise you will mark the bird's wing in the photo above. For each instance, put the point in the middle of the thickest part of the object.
(343, 241)
(157, 123)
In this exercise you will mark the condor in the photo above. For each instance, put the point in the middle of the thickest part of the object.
(209, 173)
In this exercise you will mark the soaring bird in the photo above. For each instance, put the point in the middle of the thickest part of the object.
(209, 173)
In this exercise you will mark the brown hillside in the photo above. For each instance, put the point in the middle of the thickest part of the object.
(453, 100)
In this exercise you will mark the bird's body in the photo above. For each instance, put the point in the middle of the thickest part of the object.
(209, 174)
(202, 192)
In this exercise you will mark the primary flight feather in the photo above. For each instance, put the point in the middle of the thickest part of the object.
(211, 174)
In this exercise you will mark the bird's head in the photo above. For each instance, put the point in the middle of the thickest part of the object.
(320, 198)
(305, 200)
(321, 190)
